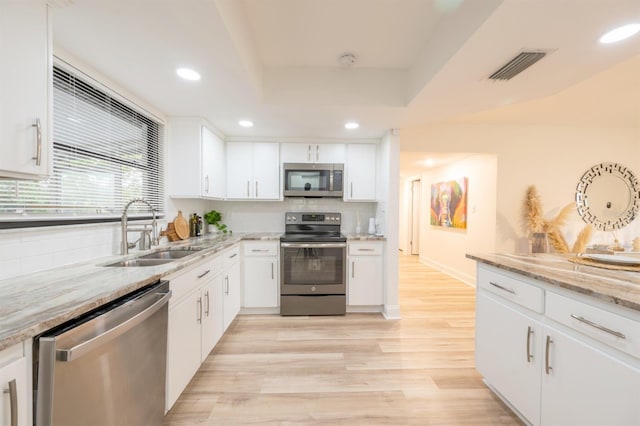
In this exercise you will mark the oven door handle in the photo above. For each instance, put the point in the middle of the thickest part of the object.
(313, 245)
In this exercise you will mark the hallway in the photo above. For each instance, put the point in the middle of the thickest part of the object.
(359, 369)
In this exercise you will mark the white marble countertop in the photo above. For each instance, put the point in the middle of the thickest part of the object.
(34, 303)
(617, 287)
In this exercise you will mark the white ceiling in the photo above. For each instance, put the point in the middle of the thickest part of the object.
(418, 61)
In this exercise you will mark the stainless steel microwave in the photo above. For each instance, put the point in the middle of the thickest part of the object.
(313, 180)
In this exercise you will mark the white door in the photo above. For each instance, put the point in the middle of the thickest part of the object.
(211, 325)
(416, 196)
(239, 170)
(329, 153)
(24, 82)
(231, 289)
(213, 165)
(361, 172)
(261, 282)
(365, 281)
(585, 386)
(183, 345)
(266, 171)
(509, 354)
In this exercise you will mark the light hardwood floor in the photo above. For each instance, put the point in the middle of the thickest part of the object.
(359, 369)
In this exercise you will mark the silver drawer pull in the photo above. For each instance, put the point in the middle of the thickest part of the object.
(529, 333)
(259, 250)
(598, 326)
(38, 156)
(204, 273)
(13, 401)
(502, 288)
(547, 364)
(369, 249)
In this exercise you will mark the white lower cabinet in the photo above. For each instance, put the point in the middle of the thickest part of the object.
(365, 273)
(195, 323)
(563, 362)
(15, 389)
(231, 285)
(508, 354)
(260, 283)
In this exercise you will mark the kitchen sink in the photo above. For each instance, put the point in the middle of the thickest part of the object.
(169, 254)
(141, 262)
(156, 258)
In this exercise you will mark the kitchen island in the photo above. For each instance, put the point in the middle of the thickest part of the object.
(559, 342)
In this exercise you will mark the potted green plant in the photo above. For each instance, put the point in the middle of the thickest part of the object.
(214, 218)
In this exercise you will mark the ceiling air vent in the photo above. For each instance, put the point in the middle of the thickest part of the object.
(515, 66)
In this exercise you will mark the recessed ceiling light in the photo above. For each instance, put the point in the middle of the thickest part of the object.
(245, 123)
(620, 33)
(429, 162)
(188, 74)
(351, 125)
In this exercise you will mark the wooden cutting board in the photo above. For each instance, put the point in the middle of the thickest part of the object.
(181, 226)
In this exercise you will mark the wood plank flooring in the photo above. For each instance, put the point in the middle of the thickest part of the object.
(358, 370)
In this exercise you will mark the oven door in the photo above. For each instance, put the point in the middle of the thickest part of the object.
(313, 268)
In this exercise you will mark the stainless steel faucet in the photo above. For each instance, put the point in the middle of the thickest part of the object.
(148, 237)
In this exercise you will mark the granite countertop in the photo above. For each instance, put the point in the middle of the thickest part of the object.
(618, 287)
(365, 237)
(34, 303)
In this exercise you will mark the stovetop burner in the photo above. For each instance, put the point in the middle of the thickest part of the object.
(312, 227)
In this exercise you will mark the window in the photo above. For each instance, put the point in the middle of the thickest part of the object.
(104, 154)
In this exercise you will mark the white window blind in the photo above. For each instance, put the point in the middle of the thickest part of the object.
(104, 154)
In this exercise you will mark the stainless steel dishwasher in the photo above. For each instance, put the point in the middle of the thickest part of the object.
(106, 368)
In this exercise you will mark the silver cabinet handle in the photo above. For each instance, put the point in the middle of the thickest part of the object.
(13, 401)
(351, 196)
(547, 365)
(233, 255)
(226, 285)
(199, 303)
(367, 249)
(256, 189)
(502, 288)
(317, 152)
(206, 309)
(206, 184)
(529, 334)
(259, 250)
(248, 183)
(308, 152)
(598, 326)
(204, 273)
(38, 156)
(272, 274)
(353, 269)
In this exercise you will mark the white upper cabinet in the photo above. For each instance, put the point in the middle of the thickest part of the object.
(25, 136)
(196, 160)
(360, 172)
(313, 153)
(253, 171)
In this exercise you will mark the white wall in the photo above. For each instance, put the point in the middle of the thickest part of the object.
(445, 248)
(551, 157)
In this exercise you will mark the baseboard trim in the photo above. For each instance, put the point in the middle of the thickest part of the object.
(464, 277)
(391, 312)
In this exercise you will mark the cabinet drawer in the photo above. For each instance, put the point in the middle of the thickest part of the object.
(517, 291)
(608, 327)
(230, 256)
(261, 248)
(184, 282)
(365, 248)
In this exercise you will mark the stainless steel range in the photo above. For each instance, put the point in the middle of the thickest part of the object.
(313, 265)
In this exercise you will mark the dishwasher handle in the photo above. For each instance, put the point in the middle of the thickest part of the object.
(156, 300)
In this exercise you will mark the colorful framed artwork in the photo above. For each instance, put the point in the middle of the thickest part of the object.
(449, 203)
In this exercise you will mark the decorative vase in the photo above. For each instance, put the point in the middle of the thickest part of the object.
(539, 242)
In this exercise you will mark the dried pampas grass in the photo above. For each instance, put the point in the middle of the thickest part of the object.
(583, 239)
(533, 210)
(557, 241)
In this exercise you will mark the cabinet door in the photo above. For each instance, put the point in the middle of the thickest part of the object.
(231, 291)
(365, 280)
(16, 370)
(361, 172)
(585, 386)
(211, 315)
(213, 165)
(183, 345)
(239, 170)
(329, 153)
(260, 282)
(266, 171)
(503, 337)
(24, 88)
(296, 153)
